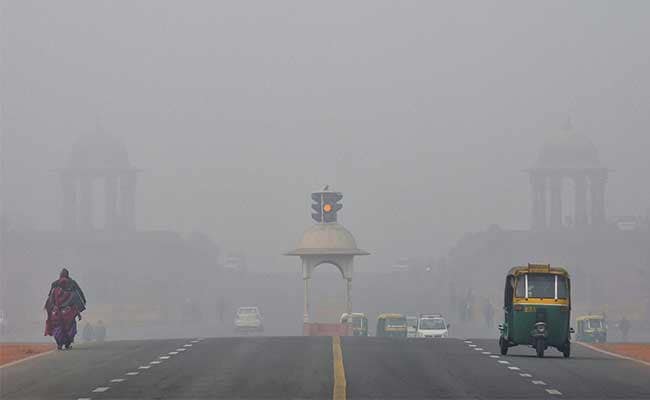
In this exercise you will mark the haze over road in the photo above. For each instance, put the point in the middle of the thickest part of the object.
(302, 367)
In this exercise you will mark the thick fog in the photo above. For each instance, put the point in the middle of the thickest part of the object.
(425, 114)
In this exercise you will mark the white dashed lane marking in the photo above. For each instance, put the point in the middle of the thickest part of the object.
(84, 398)
(539, 383)
(144, 367)
(472, 345)
(132, 373)
(187, 345)
(487, 353)
(172, 353)
(100, 389)
(181, 349)
(468, 341)
(554, 391)
(118, 380)
(164, 357)
(155, 362)
(494, 356)
(503, 362)
(478, 348)
(514, 368)
(526, 375)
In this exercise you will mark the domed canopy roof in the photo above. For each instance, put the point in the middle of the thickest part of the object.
(568, 150)
(327, 239)
(99, 151)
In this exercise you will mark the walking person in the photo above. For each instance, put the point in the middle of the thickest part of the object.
(64, 305)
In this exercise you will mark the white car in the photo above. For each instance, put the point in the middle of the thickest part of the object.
(432, 326)
(249, 319)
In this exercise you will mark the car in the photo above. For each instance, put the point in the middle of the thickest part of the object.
(248, 319)
(432, 326)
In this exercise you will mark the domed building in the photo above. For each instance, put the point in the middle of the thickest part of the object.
(573, 157)
(98, 158)
(327, 243)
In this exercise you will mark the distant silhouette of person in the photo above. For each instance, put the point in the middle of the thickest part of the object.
(100, 331)
(88, 334)
(488, 313)
(624, 326)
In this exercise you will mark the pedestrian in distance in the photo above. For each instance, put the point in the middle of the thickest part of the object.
(624, 326)
(88, 334)
(100, 331)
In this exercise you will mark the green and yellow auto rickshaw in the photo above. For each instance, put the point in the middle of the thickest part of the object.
(391, 325)
(537, 306)
(591, 328)
(358, 322)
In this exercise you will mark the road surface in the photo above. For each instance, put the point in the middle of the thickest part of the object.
(309, 367)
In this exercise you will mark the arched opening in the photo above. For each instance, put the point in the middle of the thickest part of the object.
(327, 294)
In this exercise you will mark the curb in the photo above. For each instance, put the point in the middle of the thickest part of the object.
(26, 359)
(609, 353)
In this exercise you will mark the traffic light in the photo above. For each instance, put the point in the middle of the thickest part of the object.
(331, 206)
(317, 206)
(326, 205)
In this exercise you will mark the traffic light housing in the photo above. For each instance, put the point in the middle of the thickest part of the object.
(326, 205)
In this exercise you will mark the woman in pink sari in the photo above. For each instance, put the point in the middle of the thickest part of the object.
(64, 304)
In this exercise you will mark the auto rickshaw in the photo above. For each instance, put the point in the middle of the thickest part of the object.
(358, 321)
(591, 328)
(391, 325)
(537, 306)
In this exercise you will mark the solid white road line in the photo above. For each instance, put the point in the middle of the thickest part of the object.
(101, 389)
(132, 373)
(553, 391)
(539, 383)
(117, 380)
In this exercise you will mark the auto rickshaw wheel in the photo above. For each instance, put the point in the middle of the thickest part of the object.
(566, 350)
(503, 346)
(540, 347)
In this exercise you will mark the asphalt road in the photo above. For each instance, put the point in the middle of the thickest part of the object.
(303, 367)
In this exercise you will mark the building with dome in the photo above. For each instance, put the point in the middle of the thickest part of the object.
(327, 243)
(573, 157)
(101, 159)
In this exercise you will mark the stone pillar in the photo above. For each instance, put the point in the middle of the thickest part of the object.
(348, 295)
(85, 203)
(538, 192)
(127, 199)
(69, 206)
(305, 316)
(556, 201)
(597, 183)
(110, 190)
(581, 219)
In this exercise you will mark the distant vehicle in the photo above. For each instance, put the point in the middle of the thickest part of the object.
(591, 328)
(391, 325)
(358, 321)
(432, 326)
(248, 319)
(411, 326)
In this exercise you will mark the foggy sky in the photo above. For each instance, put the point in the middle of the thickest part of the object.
(423, 113)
